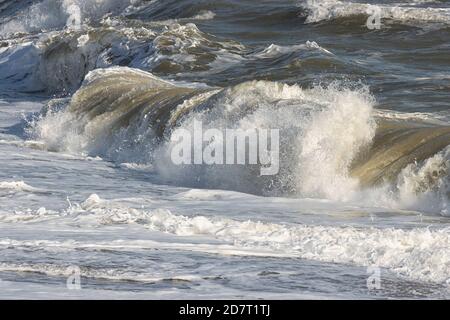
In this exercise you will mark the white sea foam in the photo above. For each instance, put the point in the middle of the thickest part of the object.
(419, 254)
(276, 50)
(204, 15)
(28, 215)
(18, 186)
(421, 186)
(425, 186)
(332, 9)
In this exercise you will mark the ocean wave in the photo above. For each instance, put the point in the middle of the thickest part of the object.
(58, 62)
(332, 144)
(397, 13)
(249, 105)
(184, 48)
(58, 14)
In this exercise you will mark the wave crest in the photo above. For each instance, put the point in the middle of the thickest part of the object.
(332, 143)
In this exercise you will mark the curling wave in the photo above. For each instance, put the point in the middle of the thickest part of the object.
(332, 143)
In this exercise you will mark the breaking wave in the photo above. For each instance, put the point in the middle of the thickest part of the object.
(58, 62)
(405, 13)
(332, 143)
(58, 14)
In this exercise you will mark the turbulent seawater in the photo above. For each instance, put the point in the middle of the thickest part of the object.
(90, 95)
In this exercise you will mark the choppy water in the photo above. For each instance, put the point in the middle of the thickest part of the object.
(92, 90)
